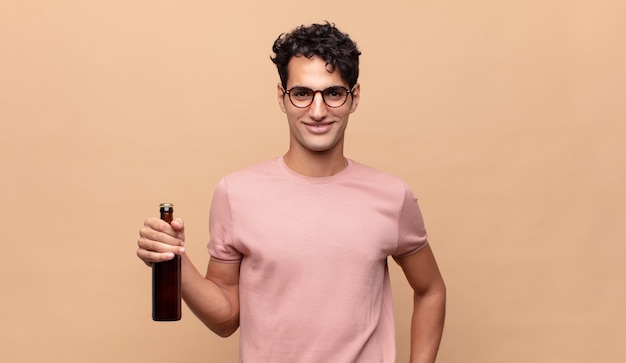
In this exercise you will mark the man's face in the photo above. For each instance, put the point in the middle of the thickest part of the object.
(316, 128)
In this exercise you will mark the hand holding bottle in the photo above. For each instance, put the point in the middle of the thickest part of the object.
(157, 238)
(160, 241)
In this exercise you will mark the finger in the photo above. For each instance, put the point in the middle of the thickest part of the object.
(150, 257)
(152, 245)
(178, 225)
(151, 252)
(160, 225)
(151, 234)
(176, 228)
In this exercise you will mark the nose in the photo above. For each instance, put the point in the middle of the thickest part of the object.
(318, 109)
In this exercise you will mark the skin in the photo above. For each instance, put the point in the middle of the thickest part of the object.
(315, 149)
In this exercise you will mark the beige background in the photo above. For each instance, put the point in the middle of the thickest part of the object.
(507, 118)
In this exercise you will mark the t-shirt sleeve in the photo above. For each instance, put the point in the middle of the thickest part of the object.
(411, 230)
(221, 243)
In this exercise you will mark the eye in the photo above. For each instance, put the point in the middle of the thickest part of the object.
(335, 93)
(301, 92)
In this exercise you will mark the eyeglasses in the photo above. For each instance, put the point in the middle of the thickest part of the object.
(302, 97)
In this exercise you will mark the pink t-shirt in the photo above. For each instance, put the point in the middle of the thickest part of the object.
(314, 283)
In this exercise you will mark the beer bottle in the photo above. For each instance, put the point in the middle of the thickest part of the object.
(166, 297)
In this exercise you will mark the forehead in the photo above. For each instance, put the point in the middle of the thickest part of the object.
(312, 73)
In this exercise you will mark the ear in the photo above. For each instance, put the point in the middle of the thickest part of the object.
(356, 95)
(281, 97)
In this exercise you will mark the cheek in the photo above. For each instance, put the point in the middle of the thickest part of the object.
(344, 114)
(292, 117)
(293, 114)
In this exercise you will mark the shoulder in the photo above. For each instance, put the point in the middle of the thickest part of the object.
(260, 170)
(250, 180)
(377, 177)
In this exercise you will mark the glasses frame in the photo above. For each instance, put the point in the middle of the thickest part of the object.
(349, 92)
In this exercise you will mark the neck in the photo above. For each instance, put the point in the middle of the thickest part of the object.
(320, 164)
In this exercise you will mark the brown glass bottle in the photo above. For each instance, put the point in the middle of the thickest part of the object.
(166, 297)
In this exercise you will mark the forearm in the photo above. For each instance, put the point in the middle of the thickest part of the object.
(427, 325)
(216, 306)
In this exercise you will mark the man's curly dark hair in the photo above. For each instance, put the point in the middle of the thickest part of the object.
(322, 40)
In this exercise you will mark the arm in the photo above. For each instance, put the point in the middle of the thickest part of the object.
(429, 300)
(214, 298)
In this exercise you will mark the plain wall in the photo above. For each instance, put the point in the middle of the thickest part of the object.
(506, 118)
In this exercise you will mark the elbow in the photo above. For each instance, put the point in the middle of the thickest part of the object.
(225, 329)
(225, 333)
(436, 290)
(441, 290)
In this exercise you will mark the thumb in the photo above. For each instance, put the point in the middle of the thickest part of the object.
(178, 225)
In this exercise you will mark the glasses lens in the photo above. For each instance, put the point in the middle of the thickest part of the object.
(301, 96)
(335, 96)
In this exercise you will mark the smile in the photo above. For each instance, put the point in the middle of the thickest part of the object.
(319, 127)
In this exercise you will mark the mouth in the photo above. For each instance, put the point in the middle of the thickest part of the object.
(318, 124)
(318, 127)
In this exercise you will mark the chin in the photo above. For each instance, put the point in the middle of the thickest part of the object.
(321, 148)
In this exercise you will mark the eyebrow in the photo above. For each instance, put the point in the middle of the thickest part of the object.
(333, 86)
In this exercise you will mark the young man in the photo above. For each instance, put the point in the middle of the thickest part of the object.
(299, 244)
